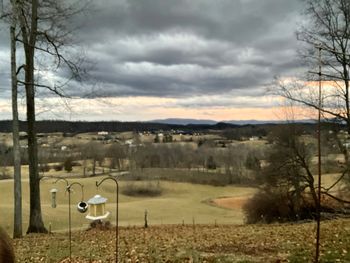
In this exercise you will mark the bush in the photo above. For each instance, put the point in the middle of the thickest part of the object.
(44, 168)
(150, 189)
(68, 165)
(275, 205)
(5, 174)
(58, 167)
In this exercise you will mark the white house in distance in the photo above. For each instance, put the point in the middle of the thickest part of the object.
(102, 133)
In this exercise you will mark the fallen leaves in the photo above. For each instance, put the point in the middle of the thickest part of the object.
(202, 243)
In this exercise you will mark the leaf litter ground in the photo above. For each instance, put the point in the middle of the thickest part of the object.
(193, 243)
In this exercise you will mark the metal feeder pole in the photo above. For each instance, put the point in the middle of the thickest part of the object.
(70, 214)
(116, 212)
(68, 189)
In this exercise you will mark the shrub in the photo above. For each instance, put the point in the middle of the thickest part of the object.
(44, 168)
(5, 174)
(150, 189)
(68, 165)
(275, 205)
(58, 167)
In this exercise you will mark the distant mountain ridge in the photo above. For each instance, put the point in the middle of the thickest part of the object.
(180, 121)
(49, 126)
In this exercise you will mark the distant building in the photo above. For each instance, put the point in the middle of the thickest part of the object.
(102, 133)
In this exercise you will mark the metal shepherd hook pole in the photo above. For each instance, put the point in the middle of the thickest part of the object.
(68, 189)
(116, 212)
(70, 213)
(318, 210)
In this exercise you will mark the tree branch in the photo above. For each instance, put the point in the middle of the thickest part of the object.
(53, 89)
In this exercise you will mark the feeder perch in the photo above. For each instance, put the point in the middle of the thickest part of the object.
(53, 197)
(97, 210)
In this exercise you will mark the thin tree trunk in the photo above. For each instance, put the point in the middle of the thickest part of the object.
(36, 224)
(17, 228)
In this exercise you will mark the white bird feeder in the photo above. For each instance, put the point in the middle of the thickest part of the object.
(53, 197)
(97, 206)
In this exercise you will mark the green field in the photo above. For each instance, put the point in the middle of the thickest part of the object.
(179, 202)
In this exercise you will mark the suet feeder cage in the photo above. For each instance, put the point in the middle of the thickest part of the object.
(97, 206)
(53, 197)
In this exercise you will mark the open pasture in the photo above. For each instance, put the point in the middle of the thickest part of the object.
(179, 202)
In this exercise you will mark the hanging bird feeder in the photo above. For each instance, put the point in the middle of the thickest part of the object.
(82, 207)
(97, 206)
(53, 197)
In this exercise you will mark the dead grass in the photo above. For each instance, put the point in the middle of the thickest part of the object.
(178, 202)
(194, 243)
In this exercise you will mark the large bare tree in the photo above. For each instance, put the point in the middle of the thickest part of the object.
(44, 35)
(326, 34)
(326, 31)
(326, 28)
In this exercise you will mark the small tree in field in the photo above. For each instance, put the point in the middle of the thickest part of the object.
(68, 165)
(288, 181)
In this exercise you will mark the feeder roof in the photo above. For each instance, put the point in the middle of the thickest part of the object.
(54, 190)
(97, 199)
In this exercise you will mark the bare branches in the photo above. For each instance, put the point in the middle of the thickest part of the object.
(336, 198)
(20, 68)
(301, 93)
(54, 89)
(50, 37)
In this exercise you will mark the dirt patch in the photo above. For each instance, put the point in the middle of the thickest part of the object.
(230, 202)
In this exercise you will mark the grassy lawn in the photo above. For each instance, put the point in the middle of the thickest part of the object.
(179, 202)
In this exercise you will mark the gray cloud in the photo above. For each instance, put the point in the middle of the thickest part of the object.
(186, 48)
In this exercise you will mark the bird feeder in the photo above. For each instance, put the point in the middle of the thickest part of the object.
(97, 206)
(82, 207)
(53, 197)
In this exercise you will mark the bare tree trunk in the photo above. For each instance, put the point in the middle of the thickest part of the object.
(36, 224)
(17, 228)
(52, 27)
(35, 219)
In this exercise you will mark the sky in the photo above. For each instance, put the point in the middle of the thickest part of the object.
(155, 59)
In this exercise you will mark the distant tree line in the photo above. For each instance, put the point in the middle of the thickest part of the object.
(230, 131)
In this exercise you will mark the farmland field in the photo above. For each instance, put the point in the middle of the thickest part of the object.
(179, 202)
(194, 218)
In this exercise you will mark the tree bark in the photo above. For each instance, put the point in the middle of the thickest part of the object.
(29, 35)
(17, 228)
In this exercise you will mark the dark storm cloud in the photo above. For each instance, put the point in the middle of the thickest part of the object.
(181, 48)
(185, 47)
